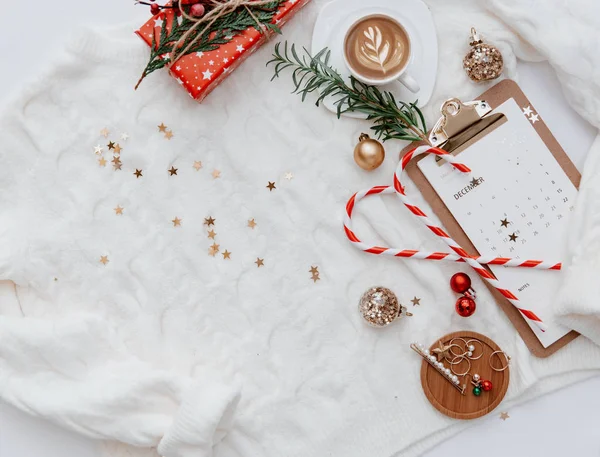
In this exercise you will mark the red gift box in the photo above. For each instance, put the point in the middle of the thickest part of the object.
(201, 72)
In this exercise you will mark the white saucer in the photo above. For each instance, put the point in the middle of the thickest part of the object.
(337, 16)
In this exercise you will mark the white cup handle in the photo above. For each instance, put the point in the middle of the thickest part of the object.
(409, 82)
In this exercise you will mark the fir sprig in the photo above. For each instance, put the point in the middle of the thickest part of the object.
(393, 119)
(221, 32)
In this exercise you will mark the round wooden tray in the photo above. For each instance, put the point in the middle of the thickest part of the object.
(449, 400)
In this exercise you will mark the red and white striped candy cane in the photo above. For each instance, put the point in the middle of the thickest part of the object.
(459, 255)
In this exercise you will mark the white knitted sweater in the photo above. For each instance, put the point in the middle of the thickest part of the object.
(166, 346)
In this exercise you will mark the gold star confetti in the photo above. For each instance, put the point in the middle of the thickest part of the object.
(212, 252)
(315, 277)
(102, 161)
(504, 222)
(504, 416)
(209, 221)
(162, 128)
(111, 145)
(226, 254)
(176, 222)
(168, 134)
(513, 237)
(215, 247)
(98, 150)
(124, 136)
(117, 166)
(117, 149)
(314, 270)
(119, 210)
(271, 186)
(116, 159)
(104, 132)
(138, 173)
(252, 223)
(289, 176)
(259, 262)
(216, 174)
(172, 171)
(104, 259)
(197, 165)
(212, 234)
(416, 301)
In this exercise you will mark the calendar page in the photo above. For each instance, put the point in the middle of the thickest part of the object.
(516, 203)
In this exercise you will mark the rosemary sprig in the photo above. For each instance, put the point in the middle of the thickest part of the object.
(222, 31)
(393, 119)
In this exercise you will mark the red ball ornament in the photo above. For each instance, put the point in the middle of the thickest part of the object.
(154, 9)
(197, 10)
(486, 385)
(465, 306)
(460, 283)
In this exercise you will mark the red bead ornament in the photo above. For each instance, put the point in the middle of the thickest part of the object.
(154, 9)
(465, 306)
(486, 385)
(197, 10)
(460, 283)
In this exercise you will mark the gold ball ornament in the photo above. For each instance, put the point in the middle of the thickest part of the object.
(484, 61)
(368, 153)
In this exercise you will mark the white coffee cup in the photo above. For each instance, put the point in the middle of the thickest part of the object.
(400, 75)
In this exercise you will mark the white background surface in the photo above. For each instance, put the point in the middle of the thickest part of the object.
(563, 423)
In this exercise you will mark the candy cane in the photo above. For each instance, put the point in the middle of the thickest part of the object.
(459, 255)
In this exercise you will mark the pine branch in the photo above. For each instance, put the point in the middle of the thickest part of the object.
(221, 32)
(393, 119)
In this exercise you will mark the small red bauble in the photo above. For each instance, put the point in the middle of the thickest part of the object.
(460, 283)
(197, 10)
(465, 306)
(154, 9)
(486, 385)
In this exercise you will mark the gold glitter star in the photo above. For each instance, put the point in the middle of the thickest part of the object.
(314, 270)
(124, 136)
(271, 186)
(98, 150)
(504, 416)
(216, 174)
(104, 132)
(176, 222)
(315, 277)
(289, 176)
(172, 171)
(104, 259)
(215, 247)
(259, 262)
(226, 254)
(111, 145)
(138, 173)
(212, 252)
(117, 148)
(115, 159)
(162, 128)
(197, 165)
(119, 210)
(513, 237)
(209, 221)
(117, 166)
(504, 222)
(251, 223)
(102, 161)
(441, 351)
(212, 234)
(416, 301)
(168, 134)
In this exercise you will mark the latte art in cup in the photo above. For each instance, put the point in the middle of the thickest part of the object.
(377, 47)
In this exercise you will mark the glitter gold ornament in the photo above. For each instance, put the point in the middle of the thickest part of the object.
(484, 61)
(380, 307)
(368, 153)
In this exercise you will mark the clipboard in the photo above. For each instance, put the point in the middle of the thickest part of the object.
(462, 125)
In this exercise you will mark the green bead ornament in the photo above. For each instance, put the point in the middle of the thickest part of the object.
(477, 391)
